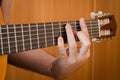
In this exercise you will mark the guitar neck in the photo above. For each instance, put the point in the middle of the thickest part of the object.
(22, 37)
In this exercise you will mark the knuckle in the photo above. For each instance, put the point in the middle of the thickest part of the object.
(73, 47)
(88, 43)
(72, 61)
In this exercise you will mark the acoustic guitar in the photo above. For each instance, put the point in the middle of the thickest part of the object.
(16, 38)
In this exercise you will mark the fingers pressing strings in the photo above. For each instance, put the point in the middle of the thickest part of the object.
(83, 37)
(83, 26)
(71, 42)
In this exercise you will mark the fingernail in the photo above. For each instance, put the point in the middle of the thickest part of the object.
(68, 26)
(60, 38)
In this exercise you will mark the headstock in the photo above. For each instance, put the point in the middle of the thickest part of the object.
(106, 23)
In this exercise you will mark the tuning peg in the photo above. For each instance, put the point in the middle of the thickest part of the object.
(100, 14)
(93, 15)
(106, 14)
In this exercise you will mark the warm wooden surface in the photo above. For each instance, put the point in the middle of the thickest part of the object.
(3, 59)
(24, 11)
(107, 54)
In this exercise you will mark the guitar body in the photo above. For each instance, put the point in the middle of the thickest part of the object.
(45, 13)
(6, 11)
(3, 65)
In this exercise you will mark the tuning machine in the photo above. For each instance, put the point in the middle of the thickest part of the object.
(94, 15)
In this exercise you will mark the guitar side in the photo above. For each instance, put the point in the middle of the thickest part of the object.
(3, 59)
(3, 66)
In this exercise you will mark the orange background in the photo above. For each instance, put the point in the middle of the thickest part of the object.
(105, 58)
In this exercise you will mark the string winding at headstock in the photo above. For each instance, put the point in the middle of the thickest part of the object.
(107, 25)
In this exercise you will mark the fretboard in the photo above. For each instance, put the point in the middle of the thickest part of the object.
(22, 37)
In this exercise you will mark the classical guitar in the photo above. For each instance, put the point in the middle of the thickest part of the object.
(22, 37)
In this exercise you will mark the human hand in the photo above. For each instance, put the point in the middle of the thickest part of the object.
(71, 59)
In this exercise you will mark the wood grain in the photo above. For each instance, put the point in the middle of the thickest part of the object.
(107, 57)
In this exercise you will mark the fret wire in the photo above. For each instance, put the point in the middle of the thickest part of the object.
(45, 35)
(53, 34)
(23, 38)
(60, 27)
(8, 39)
(91, 27)
(1, 41)
(37, 36)
(15, 38)
(30, 36)
(75, 25)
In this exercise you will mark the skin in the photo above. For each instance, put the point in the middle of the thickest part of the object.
(69, 59)
(5, 7)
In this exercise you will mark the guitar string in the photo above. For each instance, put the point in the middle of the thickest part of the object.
(48, 28)
(93, 32)
(63, 29)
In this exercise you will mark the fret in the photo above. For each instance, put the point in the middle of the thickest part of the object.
(91, 29)
(37, 36)
(56, 31)
(95, 29)
(30, 36)
(60, 28)
(15, 39)
(64, 31)
(75, 25)
(19, 37)
(41, 34)
(27, 36)
(45, 35)
(53, 34)
(1, 46)
(23, 43)
(49, 34)
(72, 24)
(34, 36)
(8, 39)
